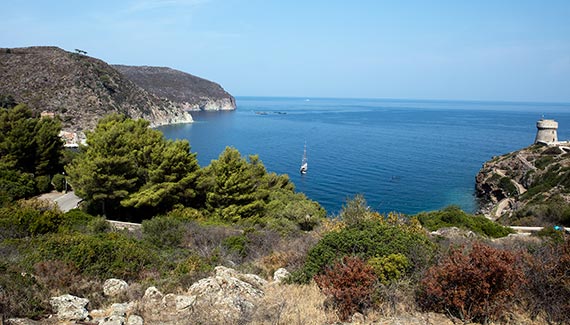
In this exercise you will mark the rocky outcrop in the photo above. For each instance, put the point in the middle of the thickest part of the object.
(114, 287)
(508, 186)
(280, 275)
(185, 90)
(227, 296)
(79, 89)
(70, 308)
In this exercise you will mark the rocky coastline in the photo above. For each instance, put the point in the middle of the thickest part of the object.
(79, 89)
(514, 188)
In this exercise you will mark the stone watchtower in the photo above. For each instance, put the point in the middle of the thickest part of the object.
(546, 132)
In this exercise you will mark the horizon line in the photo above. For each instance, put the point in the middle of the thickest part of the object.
(413, 99)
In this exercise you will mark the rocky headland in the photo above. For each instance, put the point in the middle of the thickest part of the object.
(185, 90)
(81, 89)
(528, 187)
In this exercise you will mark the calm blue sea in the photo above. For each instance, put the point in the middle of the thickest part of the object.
(403, 155)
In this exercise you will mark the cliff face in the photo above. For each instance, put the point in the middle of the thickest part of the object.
(79, 89)
(185, 90)
(527, 187)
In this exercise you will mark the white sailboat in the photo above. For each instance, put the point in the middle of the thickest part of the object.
(304, 163)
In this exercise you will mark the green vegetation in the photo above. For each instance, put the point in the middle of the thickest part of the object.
(367, 239)
(128, 165)
(453, 216)
(233, 212)
(507, 186)
(30, 151)
(131, 172)
(389, 268)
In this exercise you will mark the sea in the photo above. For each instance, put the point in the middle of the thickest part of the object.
(406, 156)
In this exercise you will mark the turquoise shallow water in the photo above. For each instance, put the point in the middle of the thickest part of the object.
(403, 155)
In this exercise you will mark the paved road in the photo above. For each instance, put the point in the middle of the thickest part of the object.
(68, 201)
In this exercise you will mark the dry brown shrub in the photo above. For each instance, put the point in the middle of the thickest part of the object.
(547, 292)
(478, 285)
(350, 285)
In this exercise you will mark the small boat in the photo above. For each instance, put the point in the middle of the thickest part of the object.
(304, 163)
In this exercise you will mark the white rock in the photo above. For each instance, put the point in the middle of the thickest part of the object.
(152, 293)
(113, 320)
(252, 279)
(97, 315)
(184, 302)
(119, 309)
(135, 320)
(226, 292)
(280, 275)
(169, 301)
(114, 287)
(70, 307)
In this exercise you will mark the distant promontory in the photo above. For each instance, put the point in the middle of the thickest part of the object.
(188, 91)
(81, 89)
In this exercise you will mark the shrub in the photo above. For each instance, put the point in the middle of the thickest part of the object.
(507, 186)
(367, 239)
(390, 267)
(98, 225)
(57, 275)
(349, 284)
(30, 218)
(453, 216)
(43, 183)
(355, 210)
(474, 286)
(58, 182)
(236, 244)
(21, 295)
(163, 231)
(288, 212)
(103, 255)
(548, 289)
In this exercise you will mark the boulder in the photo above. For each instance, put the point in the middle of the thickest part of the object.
(227, 291)
(69, 307)
(280, 275)
(135, 320)
(114, 287)
(121, 309)
(152, 294)
(97, 315)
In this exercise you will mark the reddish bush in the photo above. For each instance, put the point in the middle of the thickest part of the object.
(349, 284)
(474, 286)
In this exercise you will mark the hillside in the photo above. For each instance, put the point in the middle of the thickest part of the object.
(186, 90)
(529, 187)
(78, 88)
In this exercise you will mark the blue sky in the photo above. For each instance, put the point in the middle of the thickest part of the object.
(467, 50)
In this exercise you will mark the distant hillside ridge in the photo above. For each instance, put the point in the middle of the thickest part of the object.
(79, 89)
(184, 89)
